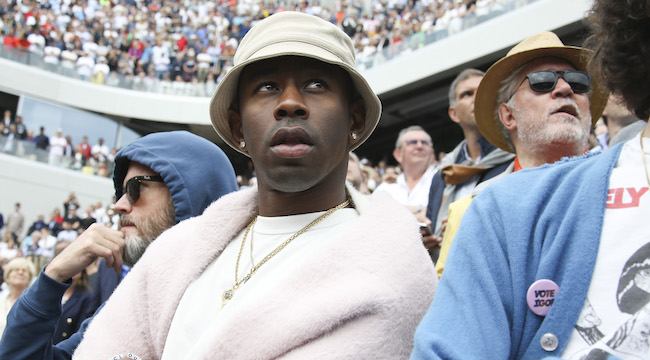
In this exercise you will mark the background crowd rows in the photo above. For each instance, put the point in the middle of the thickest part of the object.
(186, 47)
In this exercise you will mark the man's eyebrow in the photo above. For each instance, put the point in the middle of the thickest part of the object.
(261, 73)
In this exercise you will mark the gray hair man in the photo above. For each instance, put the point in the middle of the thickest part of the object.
(471, 162)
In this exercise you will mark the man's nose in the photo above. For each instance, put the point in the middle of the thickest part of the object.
(291, 104)
(123, 206)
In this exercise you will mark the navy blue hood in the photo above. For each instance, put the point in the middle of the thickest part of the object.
(196, 171)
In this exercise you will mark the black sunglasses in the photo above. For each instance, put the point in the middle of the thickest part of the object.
(133, 186)
(545, 80)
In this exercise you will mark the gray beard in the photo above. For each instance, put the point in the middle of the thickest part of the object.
(148, 230)
(135, 247)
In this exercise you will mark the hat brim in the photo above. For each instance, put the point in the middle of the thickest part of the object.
(486, 102)
(226, 91)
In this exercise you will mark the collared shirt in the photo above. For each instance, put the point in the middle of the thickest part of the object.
(418, 197)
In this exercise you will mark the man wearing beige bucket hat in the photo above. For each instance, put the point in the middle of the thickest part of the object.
(300, 267)
(539, 125)
(521, 264)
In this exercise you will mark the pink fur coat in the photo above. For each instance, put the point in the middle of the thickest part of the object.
(361, 297)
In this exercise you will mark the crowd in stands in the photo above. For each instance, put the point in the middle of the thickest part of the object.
(35, 245)
(186, 47)
(57, 150)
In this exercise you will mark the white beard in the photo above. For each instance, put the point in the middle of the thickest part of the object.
(540, 132)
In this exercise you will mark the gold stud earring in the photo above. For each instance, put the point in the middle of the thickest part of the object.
(354, 136)
(242, 144)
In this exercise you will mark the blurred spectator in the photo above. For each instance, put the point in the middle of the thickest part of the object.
(21, 130)
(68, 151)
(67, 233)
(69, 63)
(85, 149)
(51, 56)
(7, 119)
(15, 222)
(72, 218)
(36, 43)
(71, 202)
(18, 274)
(471, 162)
(38, 224)
(85, 65)
(55, 221)
(42, 141)
(46, 244)
(88, 218)
(160, 59)
(100, 71)
(100, 150)
(57, 146)
(355, 175)
(100, 214)
(29, 246)
(204, 60)
(9, 248)
(621, 124)
(414, 152)
(11, 139)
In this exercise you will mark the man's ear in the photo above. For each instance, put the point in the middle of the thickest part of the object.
(397, 154)
(453, 116)
(357, 119)
(507, 117)
(234, 120)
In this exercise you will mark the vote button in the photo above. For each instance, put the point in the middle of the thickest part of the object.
(541, 295)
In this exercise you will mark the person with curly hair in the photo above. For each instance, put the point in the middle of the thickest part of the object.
(554, 262)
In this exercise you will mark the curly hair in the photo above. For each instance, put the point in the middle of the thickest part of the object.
(620, 38)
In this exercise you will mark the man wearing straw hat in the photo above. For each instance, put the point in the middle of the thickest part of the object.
(300, 267)
(539, 129)
(520, 266)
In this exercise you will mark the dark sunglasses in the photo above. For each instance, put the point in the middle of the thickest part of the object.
(133, 186)
(545, 80)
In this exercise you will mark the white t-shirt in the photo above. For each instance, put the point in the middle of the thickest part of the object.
(616, 316)
(199, 314)
(418, 197)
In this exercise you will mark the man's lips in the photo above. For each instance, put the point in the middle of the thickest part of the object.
(568, 109)
(291, 142)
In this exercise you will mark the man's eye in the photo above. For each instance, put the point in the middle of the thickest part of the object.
(316, 84)
(466, 94)
(266, 87)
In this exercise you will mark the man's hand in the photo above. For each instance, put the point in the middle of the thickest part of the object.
(431, 242)
(97, 241)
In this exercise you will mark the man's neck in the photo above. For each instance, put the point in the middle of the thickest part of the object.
(473, 148)
(277, 203)
(547, 155)
(413, 176)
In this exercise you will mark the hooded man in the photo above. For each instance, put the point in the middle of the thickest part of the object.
(160, 179)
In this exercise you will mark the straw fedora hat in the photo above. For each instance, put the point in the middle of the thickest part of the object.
(544, 44)
(294, 34)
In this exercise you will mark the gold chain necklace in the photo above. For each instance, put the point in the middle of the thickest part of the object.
(645, 166)
(229, 293)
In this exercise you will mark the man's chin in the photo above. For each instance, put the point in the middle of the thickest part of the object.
(135, 247)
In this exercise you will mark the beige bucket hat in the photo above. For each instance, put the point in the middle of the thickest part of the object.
(295, 34)
(544, 44)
